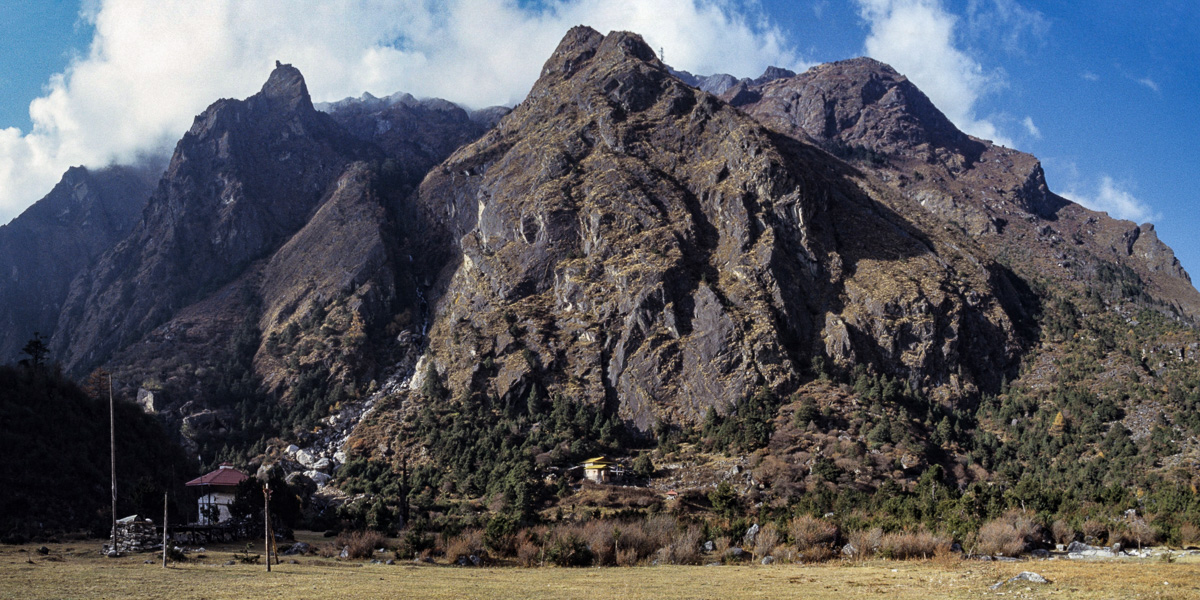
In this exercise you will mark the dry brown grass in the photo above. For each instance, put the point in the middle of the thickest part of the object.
(78, 571)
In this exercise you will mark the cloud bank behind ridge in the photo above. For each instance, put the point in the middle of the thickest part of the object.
(154, 64)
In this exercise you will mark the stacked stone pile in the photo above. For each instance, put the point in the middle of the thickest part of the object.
(135, 534)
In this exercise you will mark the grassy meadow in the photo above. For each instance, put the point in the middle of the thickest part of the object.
(76, 570)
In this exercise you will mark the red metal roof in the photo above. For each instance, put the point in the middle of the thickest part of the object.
(223, 476)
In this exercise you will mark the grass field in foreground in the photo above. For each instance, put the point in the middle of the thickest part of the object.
(76, 570)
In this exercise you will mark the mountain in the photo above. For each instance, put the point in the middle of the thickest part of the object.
(628, 241)
(48, 245)
(864, 111)
(815, 275)
(244, 177)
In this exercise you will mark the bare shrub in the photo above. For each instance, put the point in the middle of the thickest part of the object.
(329, 550)
(1189, 534)
(644, 537)
(913, 544)
(1007, 535)
(627, 557)
(361, 544)
(601, 537)
(1138, 531)
(865, 543)
(721, 546)
(1095, 532)
(465, 544)
(815, 554)
(1063, 533)
(528, 553)
(785, 553)
(809, 532)
(765, 541)
(684, 547)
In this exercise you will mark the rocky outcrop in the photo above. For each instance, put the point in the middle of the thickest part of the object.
(245, 177)
(57, 238)
(864, 112)
(629, 241)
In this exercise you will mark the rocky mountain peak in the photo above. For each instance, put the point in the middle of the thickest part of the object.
(577, 46)
(582, 44)
(286, 86)
(859, 102)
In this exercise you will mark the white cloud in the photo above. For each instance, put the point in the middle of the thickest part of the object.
(1090, 76)
(1150, 83)
(154, 64)
(1006, 25)
(1031, 128)
(917, 37)
(1112, 198)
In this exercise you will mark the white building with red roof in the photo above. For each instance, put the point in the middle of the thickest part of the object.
(217, 490)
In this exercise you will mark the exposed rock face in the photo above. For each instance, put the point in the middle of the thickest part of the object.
(273, 259)
(46, 247)
(622, 238)
(863, 111)
(244, 178)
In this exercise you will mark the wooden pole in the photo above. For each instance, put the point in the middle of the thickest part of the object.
(112, 442)
(267, 523)
(164, 530)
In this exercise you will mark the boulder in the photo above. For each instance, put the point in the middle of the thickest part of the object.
(145, 399)
(768, 560)
(319, 478)
(1022, 576)
(297, 548)
(751, 533)
(306, 458)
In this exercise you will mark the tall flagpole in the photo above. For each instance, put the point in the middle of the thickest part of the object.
(112, 441)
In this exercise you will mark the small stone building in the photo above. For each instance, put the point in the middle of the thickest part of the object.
(217, 490)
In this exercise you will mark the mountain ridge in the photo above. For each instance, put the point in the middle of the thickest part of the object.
(669, 263)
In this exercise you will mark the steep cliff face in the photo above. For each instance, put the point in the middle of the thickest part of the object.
(864, 112)
(46, 247)
(272, 275)
(628, 241)
(245, 177)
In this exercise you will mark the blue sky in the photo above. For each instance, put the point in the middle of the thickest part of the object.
(1104, 92)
